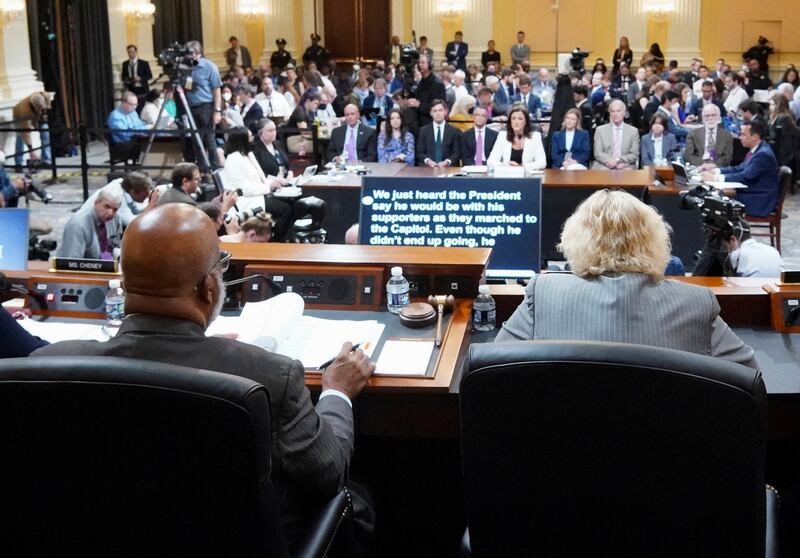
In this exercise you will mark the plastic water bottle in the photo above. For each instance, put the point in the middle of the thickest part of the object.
(115, 304)
(396, 291)
(484, 310)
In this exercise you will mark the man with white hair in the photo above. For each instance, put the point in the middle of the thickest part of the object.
(96, 231)
(711, 143)
(787, 90)
(459, 88)
(794, 104)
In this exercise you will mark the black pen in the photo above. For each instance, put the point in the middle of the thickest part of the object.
(327, 363)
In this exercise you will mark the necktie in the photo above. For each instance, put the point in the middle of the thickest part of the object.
(132, 69)
(617, 142)
(438, 152)
(351, 146)
(749, 154)
(102, 239)
(479, 149)
(525, 100)
(709, 139)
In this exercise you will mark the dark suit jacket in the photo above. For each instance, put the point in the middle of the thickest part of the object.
(649, 110)
(387, 53)
(697, 108)
(468, 145)
(451, 145)
(459, 60)
(230, 57)
(269, 163)
(534, 102)
(587, 116)
(760, 173)
(580, 148)
(254, 114)
(312, 447)
(366, 143)
(143, 71)
(669, 148)
(430, 88)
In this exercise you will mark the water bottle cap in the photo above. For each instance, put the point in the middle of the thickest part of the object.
(114, 283)
(397, 271)
(483, 289)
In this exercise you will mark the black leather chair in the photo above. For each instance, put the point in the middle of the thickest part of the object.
(120, 457)
(597, 449)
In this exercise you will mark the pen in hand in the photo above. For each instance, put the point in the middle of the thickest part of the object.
(327, 363)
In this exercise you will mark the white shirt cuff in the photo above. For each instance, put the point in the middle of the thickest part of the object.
(336, 393)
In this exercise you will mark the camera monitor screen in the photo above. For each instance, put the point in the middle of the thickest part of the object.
(498, 213)
(13, 239)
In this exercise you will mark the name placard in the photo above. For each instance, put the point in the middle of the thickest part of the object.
(80, 265)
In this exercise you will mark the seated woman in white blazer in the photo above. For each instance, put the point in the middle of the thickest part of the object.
(520, 145)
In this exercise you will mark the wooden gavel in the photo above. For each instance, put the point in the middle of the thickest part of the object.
(442, 302)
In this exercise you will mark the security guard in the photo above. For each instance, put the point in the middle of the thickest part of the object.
(316, 53)
(281, 57)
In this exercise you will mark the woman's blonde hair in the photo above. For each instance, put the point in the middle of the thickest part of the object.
(613, 232)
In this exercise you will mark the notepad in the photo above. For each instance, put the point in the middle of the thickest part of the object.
(719, 185)
(401, 357)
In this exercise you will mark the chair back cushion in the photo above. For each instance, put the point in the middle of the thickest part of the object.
(603, 449)
(121, 457)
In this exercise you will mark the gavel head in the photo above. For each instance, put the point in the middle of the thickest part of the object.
(444, 302)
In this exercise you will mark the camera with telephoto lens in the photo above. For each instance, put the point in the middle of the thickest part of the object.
(722, 216)
(178, 62)
(409, 57)
(576, 60)
(40, 249)
(245, 215)
(30, 189)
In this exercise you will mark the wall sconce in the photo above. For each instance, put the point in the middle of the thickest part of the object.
(451, 8)
(11, 11)
(658, 8)
(253, 10)
(138, 9)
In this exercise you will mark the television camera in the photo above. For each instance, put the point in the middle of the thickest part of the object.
(722, 216)
(577, 58)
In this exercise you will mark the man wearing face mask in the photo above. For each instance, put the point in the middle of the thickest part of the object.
(170, 300)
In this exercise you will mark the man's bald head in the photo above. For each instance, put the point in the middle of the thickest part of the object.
(168, 257)
(351, 115)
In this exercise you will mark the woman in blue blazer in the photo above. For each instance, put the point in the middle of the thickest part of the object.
(572, 140)
(659, 123)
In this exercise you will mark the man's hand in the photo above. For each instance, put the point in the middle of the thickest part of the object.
(217, 118)
(430, 163)
(443, 164)
(413, 103)
(349, 372)
(708, 176)
(232, 226)
(612, 163)
(229, 198)
(707, 166)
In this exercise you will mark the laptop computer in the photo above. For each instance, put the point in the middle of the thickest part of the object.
(14, 239)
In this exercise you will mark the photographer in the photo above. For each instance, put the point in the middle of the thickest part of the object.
(747, 257)
(205, 100)
(255, 229)
(30, 113)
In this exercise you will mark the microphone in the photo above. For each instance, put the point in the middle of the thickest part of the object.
(7, 287)
(272, 284)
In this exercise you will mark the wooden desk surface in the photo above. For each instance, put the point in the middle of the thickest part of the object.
(555, 178)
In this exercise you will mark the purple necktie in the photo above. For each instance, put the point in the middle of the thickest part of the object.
(479, 149)
(351, 146)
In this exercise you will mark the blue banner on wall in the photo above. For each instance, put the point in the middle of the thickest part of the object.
(498, 213)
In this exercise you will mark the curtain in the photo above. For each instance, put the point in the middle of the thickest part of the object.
(177, 20)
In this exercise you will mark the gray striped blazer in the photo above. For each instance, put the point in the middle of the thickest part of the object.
(626, 308)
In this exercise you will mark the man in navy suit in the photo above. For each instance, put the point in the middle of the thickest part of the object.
(136, 73)
(456, 52)
(526, 96)
(251, 110)
(707, 98)
(505, 91)
(354, 141)
(378, 103)
(759, 172)
(439, 143)
(477, 142)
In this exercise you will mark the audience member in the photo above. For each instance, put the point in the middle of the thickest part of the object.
(490, 55)
(184, 182)
(477, 142)
(460, 116)
(616, 144)
(544, 87)
(505, 92)
(136, 73)
(456, 52)
(377, 104)
(654, 101)
(736, 93)
(667, 101)
(353, 142)
(395, 143)
(281, 57)
(124, 122)
(393, 51)
(95, 232)
(520, 145)
(621, 83)
(569, 147)
(134, 189)
(529, 100)
(580, 94)
(430, 89)
(302, 118)
(758, 78)
(791, 76)
(622, 55)
(237, 55)
(618, 248)
(653, 57)
(710, 143)
(410, 115)
(637, 85)
(257, 228)
(425, 50)
(270, 153)
(484, 99)
(439, 143)
(707, 97)
(782, 129)
(252, 112)
(153, 103)
(459, 88)
(273, 104)
(170, 300)
(659, 146)
(520, 52)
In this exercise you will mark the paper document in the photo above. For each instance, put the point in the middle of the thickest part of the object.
(60, 331)
(278, 325)
(720, 185)
(404, 357)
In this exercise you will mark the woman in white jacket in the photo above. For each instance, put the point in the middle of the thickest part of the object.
(520, 145)
(242, 171)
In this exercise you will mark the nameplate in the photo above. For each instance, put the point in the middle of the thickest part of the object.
(81, 265)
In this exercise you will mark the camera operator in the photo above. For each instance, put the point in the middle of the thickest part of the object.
(430, 88)
(205, 100)
(30, 113)
(748, 257)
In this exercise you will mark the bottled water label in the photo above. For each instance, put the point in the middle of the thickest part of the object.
(484, 317)
(397, 299)
(115, 311)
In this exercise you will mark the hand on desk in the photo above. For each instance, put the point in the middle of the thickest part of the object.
(349, 372)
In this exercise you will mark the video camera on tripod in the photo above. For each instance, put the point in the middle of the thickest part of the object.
(178, 62)
(409, 57)
(722, 216)
(576, 60)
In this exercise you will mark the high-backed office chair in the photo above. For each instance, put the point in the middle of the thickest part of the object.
(597, 449)
(120, 457)
(772, 222)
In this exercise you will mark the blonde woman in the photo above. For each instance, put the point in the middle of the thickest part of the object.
(460, 116)
(618, 249)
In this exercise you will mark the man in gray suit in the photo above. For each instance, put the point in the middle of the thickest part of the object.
(617, 292)
(710, 144)
(616, 144)
(173, 281)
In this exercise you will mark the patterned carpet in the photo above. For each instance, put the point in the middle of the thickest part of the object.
(68, 196)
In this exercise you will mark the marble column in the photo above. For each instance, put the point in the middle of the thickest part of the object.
(426, 21)
(684, 32)
(632, 23)
(398, 21)
(477, 28)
